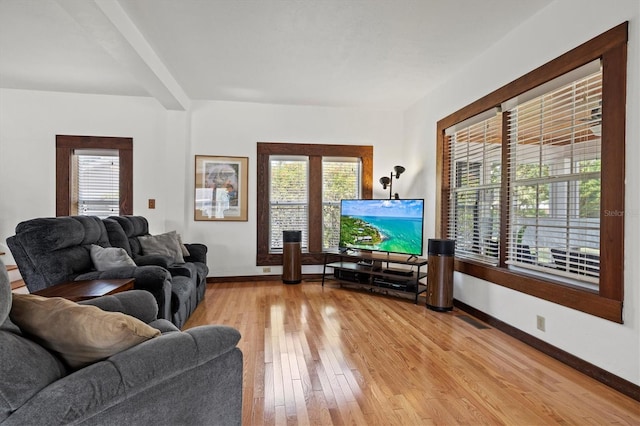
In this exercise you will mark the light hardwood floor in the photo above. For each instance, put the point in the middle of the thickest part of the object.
(335, 356)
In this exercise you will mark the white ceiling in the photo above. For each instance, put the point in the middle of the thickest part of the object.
(362, 53)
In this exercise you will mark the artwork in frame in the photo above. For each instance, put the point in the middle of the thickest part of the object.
(221, 188)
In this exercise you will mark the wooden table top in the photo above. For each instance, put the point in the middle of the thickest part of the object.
(87, 289)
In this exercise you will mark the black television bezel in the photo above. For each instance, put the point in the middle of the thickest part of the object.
(344, 248)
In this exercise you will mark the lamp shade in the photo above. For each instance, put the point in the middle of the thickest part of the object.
(399, 170)
(385, 181)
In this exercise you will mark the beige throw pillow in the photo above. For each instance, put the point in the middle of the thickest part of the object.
(81, 334)
(110, 257)
(185, 251)
(166, 244)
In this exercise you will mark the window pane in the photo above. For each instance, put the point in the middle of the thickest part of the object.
(474, 219)
(555, 150)
(288, 217)
(98, 185)
(340, 180)
(288, 198)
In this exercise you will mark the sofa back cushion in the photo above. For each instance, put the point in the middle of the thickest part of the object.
(133, 227)
(116, 234)
(50, 251)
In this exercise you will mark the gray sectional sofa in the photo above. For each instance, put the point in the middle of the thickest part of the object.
(175, 378)
(126, 231)
(50, 251)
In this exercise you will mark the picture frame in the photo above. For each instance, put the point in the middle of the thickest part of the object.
(221, 188)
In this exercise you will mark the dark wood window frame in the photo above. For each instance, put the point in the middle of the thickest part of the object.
(611, 48)
(315, 153)
(65, 145)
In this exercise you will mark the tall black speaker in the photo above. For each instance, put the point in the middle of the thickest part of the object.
(291, 254)
(440, 274)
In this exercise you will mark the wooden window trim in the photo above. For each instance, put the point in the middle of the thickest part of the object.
(611, 48)
(65, 144)
(315, 152)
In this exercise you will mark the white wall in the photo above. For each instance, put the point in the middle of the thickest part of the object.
(29, 123)
(232, 129)
(547, 35)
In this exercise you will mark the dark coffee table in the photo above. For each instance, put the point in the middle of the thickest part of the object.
(87, 289)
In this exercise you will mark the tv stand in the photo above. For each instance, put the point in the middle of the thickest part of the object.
(403, 272)
(400, 274)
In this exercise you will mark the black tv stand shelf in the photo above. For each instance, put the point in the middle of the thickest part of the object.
(378, 271)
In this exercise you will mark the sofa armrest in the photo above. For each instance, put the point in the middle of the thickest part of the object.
(153, 259)
(137, 303)
(154, 279)
(148, 276)
(197, 253)
(180, 270)
(163, 380)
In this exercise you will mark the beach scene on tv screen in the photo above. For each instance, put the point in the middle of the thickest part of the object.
(382, 225)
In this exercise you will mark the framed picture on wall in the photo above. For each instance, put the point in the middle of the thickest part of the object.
(221, 188)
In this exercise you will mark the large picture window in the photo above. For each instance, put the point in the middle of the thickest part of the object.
(554, 145)
(528, 188)
(300, 187)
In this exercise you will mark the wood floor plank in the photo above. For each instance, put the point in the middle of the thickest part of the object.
(327, 355)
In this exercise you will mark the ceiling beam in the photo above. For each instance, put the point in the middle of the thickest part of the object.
(109, 25)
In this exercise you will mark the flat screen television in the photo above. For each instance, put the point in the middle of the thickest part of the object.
(392, 226)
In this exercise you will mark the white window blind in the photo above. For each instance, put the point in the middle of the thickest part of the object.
(341, 179)
(97, 182)
(475, 176)
(554, 169)
(288, 198)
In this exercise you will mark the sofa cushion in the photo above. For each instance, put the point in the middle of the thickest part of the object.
(117, 236)
(105, 258)
(54, 250)
(25, 368)
(166, 244)
(81, 334)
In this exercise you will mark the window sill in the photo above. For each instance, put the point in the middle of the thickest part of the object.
(572, 297)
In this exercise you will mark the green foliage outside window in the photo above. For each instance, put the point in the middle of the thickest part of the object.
(532, 199)
(590, 189)
(340, 181)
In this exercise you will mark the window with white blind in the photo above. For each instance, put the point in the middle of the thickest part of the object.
(474, 217)
(341, 179)
(534, 196)
(94, 175)
(96, 183)
(289, 198)
(300, 187)
(555, 187)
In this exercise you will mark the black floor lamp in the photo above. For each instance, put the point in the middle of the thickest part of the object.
(388, 181)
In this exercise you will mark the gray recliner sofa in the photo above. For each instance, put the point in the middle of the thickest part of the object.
(125, 231)
(50, 251)
(178, 378)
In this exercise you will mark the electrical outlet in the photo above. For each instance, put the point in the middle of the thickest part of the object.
(540, 323)
(266, 269)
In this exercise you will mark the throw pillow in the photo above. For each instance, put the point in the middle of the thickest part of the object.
(164, 244)
(185, 251)
(105, 258)
(81, 334)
